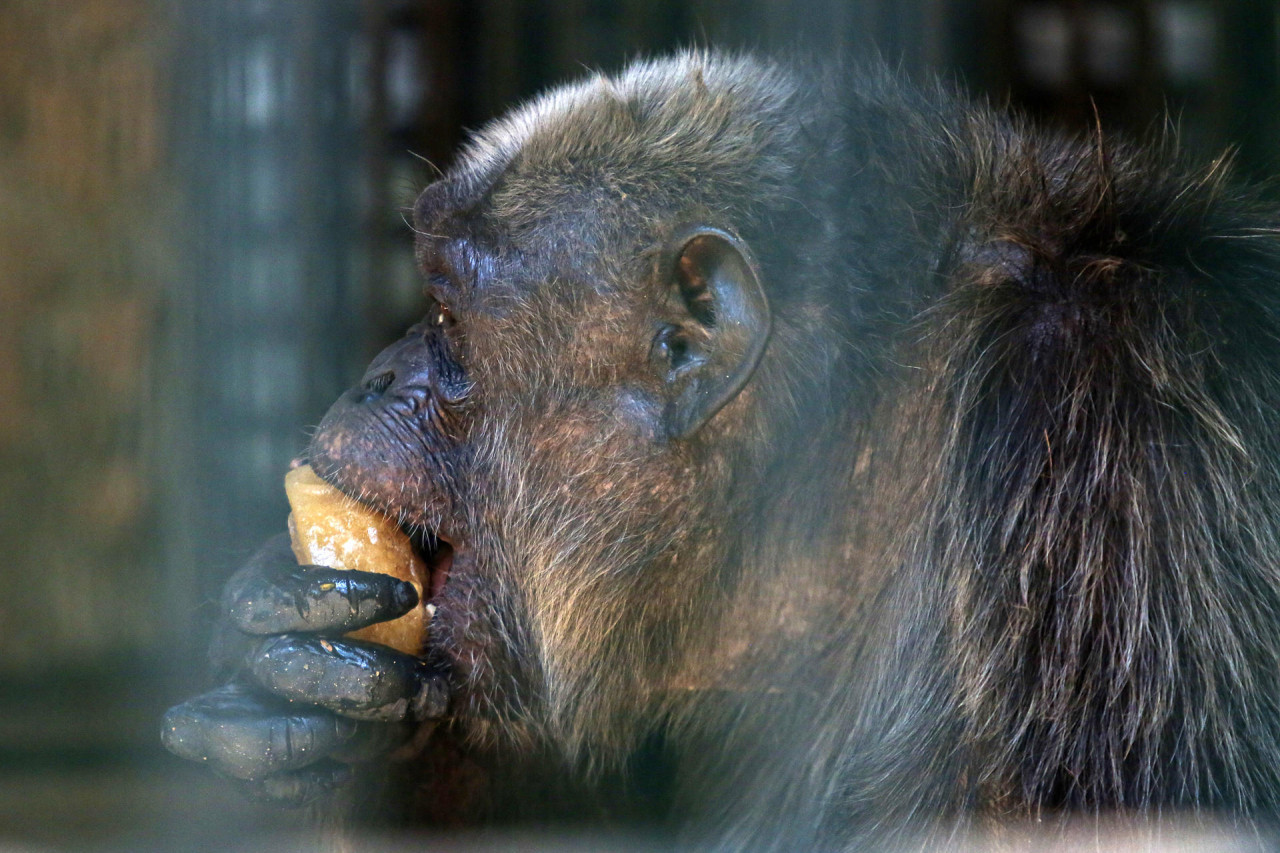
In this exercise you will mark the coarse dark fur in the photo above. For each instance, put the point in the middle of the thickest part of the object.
(990, 533)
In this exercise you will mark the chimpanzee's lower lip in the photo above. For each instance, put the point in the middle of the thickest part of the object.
(436, 552)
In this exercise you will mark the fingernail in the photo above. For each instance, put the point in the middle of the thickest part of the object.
(406, 597)
(345, 727)
(175, 733)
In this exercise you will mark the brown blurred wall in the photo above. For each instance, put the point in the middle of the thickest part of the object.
(82, 193)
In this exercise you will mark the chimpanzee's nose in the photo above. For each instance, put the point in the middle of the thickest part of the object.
(373, 387)
(405, 367)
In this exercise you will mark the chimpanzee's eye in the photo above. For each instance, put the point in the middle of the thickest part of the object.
(437, 314)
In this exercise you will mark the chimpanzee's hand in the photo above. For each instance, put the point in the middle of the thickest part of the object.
(302, 703)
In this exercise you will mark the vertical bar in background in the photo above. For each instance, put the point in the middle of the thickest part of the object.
(269, 103)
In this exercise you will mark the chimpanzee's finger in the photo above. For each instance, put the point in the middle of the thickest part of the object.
(299, 787)
(249, 736)
(227, 649)
(364, 681)
(272, 594)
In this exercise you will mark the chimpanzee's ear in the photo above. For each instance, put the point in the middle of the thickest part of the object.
(723, 326)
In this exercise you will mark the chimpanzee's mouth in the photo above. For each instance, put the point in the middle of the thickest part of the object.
(434, 550)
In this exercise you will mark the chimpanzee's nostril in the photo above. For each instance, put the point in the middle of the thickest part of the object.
(380, 383)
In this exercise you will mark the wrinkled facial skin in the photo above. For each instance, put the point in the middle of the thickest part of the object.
(519, 422)
(392, 440)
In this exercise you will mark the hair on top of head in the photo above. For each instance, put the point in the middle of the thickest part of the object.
(731, 134)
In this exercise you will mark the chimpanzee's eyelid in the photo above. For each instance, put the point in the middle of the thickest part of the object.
(438, 312)
(438, 288)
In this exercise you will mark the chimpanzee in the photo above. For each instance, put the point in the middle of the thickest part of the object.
(861, 463)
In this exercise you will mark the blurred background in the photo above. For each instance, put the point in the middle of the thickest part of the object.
(202, 242)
